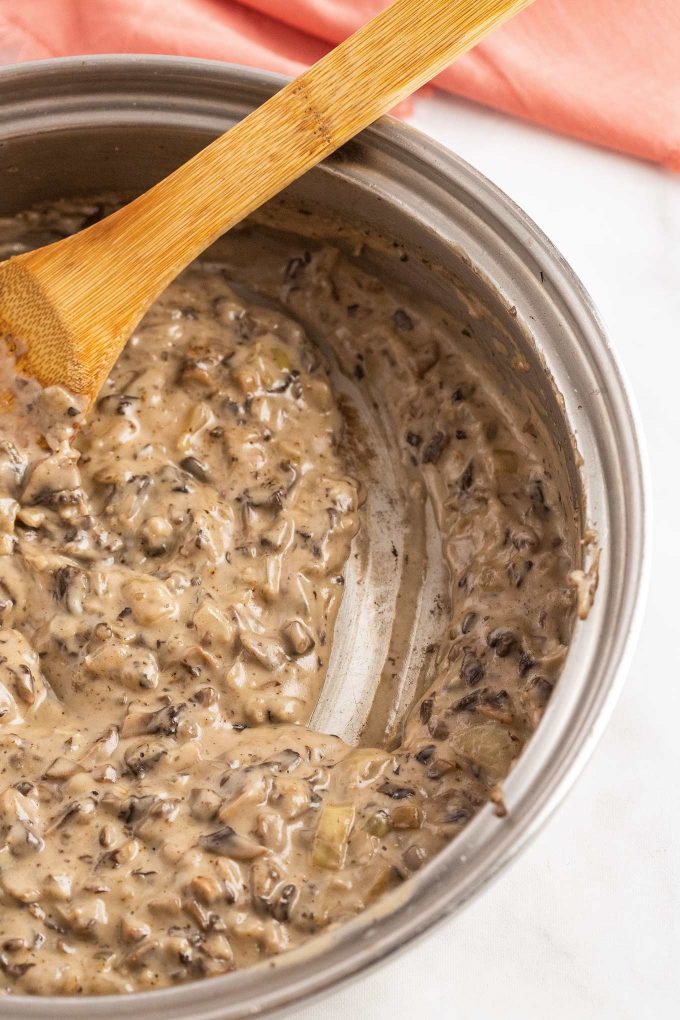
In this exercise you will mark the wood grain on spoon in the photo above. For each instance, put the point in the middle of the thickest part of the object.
(67, 310)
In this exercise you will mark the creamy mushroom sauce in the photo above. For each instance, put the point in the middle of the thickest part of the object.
(170, 573)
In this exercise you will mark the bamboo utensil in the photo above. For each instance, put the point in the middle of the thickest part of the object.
(67, 310)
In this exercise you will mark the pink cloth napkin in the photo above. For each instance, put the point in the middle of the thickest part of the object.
(607, 71)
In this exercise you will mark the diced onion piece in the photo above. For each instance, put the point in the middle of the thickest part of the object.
(332, 833)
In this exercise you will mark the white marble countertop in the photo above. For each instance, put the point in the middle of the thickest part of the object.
(586, 924)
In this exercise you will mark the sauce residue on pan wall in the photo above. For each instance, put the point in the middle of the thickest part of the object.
(170, 575)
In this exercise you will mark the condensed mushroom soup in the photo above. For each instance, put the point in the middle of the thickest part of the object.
(171, 568)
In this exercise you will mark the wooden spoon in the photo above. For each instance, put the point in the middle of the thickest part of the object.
(67, 310)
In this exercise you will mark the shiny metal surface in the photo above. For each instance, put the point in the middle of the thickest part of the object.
(77, 127)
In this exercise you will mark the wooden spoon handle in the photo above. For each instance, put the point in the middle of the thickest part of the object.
(389, 58)
(77, 301)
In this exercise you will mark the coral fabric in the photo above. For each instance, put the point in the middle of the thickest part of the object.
(607, 71)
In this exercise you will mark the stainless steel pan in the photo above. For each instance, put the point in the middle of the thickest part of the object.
(86, 126)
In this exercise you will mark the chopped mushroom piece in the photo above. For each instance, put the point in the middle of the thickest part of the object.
(62, 768)
(298, 638)
(266, 650)
(228, 843)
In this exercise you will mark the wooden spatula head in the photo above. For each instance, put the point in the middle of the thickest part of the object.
(33, 331)
(67, 310)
